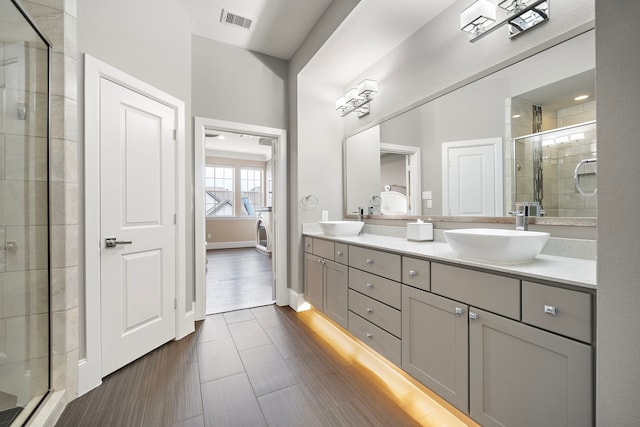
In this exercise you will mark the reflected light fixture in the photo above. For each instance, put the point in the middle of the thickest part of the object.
(581, 97)
(357, 99)
(522, 15)
(477, 18)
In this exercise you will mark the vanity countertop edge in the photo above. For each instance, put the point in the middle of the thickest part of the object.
(564, 270)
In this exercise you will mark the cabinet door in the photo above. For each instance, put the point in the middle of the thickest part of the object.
(313, 270)
(522, 376)
(336, 290)
(435, 344)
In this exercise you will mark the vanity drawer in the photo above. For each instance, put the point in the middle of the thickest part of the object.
(308, 245)
(376, 287)
(498, 294)
(342, 253)
(563, 311)
(376, 338)
(376, 312)
(323, 248)
(416, 272)
(376, 262)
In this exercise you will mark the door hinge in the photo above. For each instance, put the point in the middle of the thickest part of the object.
(175, 303)
(175, 134)
(175, 219)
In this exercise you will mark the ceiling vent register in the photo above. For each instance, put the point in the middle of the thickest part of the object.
(231, 18)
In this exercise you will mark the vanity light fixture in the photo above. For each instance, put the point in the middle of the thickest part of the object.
(477, 18)
(357, 99)
(581, 98)
(522, 16)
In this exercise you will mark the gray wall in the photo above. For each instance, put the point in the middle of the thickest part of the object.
(238, 85)
(618, 88)
(303, 180)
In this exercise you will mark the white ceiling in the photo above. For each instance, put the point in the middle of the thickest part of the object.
(279, 26)
(236, 146)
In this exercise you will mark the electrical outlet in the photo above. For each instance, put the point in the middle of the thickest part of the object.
(427, 195)
(429, 204)
(208, 235)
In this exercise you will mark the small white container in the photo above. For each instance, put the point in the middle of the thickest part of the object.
(420, 231)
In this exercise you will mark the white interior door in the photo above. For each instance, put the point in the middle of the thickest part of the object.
(138, 207)
(472, 181)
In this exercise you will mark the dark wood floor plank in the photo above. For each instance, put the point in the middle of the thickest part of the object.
(218, 359)
(230, 402)
(267, 370)
(248, 335)
(289, 407)
(238, 279)
(191, 422)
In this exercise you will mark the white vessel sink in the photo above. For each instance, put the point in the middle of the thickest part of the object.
(497, 246)
(341, 228)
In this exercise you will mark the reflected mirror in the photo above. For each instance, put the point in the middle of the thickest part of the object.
(466, 143)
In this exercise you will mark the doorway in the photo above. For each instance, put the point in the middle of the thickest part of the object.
(234, 255)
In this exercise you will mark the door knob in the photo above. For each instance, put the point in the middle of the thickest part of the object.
(112, 242)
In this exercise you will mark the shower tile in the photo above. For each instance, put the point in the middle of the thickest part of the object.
(71, 203)
(72, 329)
(24, 293)
(16, 338)
(58, 292)
(38, 333)
(30, 251)
(71, 161)
(71, 252)
(25, 203)
(38, 381)
(2, 147)
(58, 246)
(25, 158)
(3, 245)
(57, 205)
(57, 159)
(37, 73)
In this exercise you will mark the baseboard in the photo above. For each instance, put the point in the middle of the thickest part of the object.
(297, 301)
(231, 245)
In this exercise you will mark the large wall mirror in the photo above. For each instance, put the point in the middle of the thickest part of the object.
(525, 133)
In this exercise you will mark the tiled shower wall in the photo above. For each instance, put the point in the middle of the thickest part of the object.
(57, 20)
(24, 303)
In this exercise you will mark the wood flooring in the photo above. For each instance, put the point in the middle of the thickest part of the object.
(266, 366)
(238, 279)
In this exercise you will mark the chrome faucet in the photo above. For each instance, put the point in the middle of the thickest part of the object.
(522, 211)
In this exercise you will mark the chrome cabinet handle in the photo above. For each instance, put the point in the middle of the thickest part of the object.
(549, 309)
(369, 310)
(413, 273)
(459, 311)
(339, 253)
(321, 261)
(473, 316)
(369, 335)
(369, 261)
(112, 242)
(370, 285)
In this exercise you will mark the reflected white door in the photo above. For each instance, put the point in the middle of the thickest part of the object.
(138, 202)
(473, 181)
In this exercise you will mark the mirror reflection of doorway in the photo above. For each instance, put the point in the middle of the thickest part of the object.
(238, 174)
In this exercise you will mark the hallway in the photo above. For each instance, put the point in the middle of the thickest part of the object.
(238, 279)
(266, 366)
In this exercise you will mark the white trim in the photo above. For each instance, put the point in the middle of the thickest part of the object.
(279, 204)
(497, 152)
(297, 301)
(413, 171)
(90, 368)
(231, 245)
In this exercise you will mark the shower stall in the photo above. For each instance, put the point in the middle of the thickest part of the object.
(24, 215)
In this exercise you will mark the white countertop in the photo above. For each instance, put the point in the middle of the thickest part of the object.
(565, 270)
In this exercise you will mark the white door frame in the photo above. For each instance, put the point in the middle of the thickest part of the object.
(415, 184)
(89, 367)
(202, 124)
(496, 143)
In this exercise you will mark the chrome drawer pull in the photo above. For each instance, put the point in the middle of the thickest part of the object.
(473, 316)
(339, 253)
(549, 309)
(369, 310)
(459, 311)
(370, 285)
(413, 273)
(369, 335)
(369, 261)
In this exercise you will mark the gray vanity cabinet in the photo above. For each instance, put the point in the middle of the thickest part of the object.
(523, 376)
(325, 281)
(435, 344)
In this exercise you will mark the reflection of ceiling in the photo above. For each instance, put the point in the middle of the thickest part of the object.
(237, 146)
(561, 94)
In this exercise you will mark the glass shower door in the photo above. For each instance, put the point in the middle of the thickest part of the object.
(24, 216)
